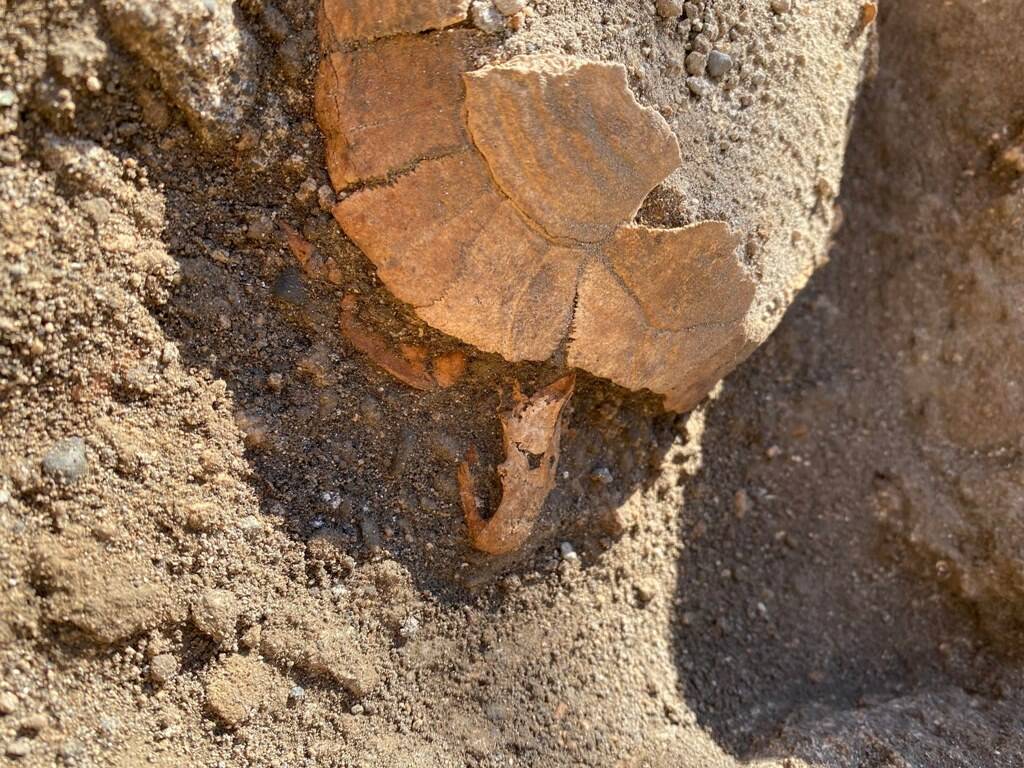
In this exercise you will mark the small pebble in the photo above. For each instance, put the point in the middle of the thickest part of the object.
(509, 7)
(70, 751)
(168, 733)
(36, 723)
(307, 191)
(602, 475)
(696, 63)
(486, 17)
(260, 229)
(669, 9)
(645, 592)
(162, 668)
(169, 354)
(19, 748)
(719, 63)
(67, 460)
(698, 86)
(93, 84)
(7, 98)
(215, 614)
(252, 636)
(357, 709)
(568, 551)
(410, 626)
(8, 703)
(781, 6)
(325, 197)
(297, 694)
(289, 287)
(250, 523)
(702, 44)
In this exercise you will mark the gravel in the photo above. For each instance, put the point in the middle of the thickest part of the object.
(719, 63)
(162, 668)
(215, 614)
(250, 523)
(486, 17)
(67, 460)
(696, 63)
(36, 723)
(669, 9)
(289, 287)
(698, 86)
(509, 7)
(19, 748)
(410, 627)
(8, 703)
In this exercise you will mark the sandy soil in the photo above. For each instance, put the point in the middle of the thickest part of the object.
(230, 539)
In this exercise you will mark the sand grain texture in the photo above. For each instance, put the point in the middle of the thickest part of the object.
(229, 536)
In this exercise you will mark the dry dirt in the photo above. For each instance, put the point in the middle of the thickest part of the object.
(230, 539)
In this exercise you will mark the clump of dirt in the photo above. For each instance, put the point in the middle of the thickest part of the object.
(205, 61)
(227, 536)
